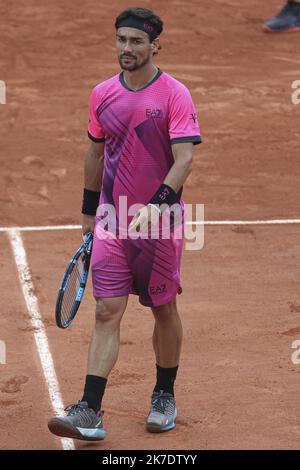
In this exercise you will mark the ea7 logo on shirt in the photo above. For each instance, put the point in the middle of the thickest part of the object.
(194, 117)
(158, 289)
(154, 113)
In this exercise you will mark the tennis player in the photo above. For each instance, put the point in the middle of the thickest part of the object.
(143, 127)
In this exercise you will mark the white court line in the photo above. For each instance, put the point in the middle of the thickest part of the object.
(41, 228)
(205, 222)
(246, 222)
(39, 329)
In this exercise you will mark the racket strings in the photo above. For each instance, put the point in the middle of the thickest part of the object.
(72, 290)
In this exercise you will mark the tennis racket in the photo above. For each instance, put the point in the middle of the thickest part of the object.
(73, 284)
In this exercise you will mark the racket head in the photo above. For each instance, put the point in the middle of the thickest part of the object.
(73, 284)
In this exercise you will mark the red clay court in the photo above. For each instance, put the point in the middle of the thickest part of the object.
(237, 386)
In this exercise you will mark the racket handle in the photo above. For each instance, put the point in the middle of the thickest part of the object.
(86, 235)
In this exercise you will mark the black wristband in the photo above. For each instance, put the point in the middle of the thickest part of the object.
(90, 202)
(164, 195)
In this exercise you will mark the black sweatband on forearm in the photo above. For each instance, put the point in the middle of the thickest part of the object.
(164, 195)
(90, 202)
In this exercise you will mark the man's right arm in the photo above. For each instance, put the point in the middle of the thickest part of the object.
(93, 171)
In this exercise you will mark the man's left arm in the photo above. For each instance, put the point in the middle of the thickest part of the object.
(182, 167)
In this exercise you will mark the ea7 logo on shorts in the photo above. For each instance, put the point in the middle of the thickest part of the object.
(154, 113)
(194, 117)
(158, 289)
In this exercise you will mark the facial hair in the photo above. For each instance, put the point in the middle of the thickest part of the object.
(134, 65)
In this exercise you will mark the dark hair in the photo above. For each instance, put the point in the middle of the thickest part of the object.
(141, 13)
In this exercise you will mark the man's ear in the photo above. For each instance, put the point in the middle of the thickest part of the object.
(155, 46)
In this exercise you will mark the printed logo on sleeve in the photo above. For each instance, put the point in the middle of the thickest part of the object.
(194, 117)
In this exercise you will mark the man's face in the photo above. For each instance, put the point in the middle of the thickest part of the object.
(134, 48)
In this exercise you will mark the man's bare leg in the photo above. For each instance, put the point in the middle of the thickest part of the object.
(84, 419)
(167, 340)
(104, 346)
(167, 335)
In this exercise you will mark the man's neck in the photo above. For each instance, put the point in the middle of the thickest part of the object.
(137, 79)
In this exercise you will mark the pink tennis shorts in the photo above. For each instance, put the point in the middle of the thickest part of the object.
(148, 268)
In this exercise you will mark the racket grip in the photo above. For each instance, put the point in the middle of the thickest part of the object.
(84, 237)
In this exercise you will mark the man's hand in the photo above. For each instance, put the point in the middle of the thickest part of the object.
(88, 224)
(145, 218)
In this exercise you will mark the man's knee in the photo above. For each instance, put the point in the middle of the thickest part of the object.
(109, 311)
(165, 313)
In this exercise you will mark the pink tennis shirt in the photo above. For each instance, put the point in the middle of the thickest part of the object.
(139, 128)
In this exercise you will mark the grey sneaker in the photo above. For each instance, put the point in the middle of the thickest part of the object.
(81, 422)
(162, 413)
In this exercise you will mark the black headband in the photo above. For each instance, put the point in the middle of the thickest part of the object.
(139, 23)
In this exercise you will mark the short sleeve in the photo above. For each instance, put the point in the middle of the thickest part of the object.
(95, 131)
(183, 121)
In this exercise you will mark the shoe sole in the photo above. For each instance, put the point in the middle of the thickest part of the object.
(61, 429)
(155, 428)
(295, 29)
